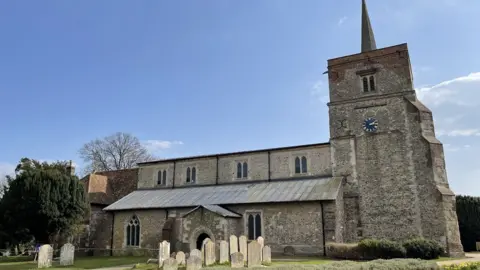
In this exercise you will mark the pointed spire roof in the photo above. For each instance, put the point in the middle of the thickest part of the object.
(368, 39)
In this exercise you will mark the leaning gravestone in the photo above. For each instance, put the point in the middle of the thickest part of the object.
(224, 255)
(180, 257)
(233, 244)
(205, 241)
(209, 253)
(242, 243)
(170, 264)
(237, 260)
(67, 253)
(45, 256)
(194, 262)
(261, 241)
(266, 255)
(254, 254)
(163, 252)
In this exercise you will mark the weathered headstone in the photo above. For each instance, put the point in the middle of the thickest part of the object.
(242, 243)
(163, 252)
(478, 246)
(45, 256)
(194, 262)
(180, 257)
(254, 254)
(233, 244)
(224, 254)
(203, 248)
(266, 255)
(196, 253)
(170, 264)
(67, 252)
(261, 241)
(237, 260)
(209, 253)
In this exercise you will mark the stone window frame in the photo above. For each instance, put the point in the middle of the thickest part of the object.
(242, 163)
(368, 80)
(301, 157)
(127, 223)
(162, 180)
(253, 212)
(190, 173)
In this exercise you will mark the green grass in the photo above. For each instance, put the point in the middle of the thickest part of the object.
(307, 261)
(80, 263)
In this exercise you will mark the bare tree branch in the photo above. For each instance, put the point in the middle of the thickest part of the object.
(115, 152)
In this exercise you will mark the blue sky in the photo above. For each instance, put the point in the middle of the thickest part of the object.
(199, 77)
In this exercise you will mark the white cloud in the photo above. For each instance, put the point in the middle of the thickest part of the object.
(458, 91)
(159, 145)
(342, 20)
(459, 133)
(319, 90)
(6, 169)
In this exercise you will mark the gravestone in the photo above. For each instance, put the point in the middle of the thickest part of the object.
(266, 255)
(242, 243)
(254, 254)
(478, 246)
(233, 244)
(203, 248)
(194, 262)
(237, 260)
(163, 252)
(67, 252)
(196, 253)
(210, 253)
(261, 241)
(180, 257)
(224, 254)
(45, 256)
(170, 264)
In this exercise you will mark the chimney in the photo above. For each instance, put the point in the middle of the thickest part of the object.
(70, 168)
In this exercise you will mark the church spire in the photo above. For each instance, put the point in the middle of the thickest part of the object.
(368, 39)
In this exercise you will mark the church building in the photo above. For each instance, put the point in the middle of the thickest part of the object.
(381, 175)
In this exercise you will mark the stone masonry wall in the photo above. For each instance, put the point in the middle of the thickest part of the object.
(151, 222)
(282, 166)
(100, 228)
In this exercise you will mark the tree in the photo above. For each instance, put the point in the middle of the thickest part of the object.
(115, 152)
(42, 201)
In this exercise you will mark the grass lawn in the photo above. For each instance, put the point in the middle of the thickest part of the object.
(80, 263)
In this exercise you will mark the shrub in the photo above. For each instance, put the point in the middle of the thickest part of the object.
(342, 251)
(371, 249)
(423, 249)
(463, 266)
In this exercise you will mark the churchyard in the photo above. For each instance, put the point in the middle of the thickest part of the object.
(237, 253)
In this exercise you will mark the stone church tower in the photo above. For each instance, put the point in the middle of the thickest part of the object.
(383, 144)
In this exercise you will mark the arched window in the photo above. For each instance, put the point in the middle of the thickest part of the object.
(164, 180)
(188, 175)
(159, 178)
(254, 226)
(372, 83)
(245, 170)
(194, 175)
(297, 165)
(132, 233)
(239, 170)
(304, 164)
(365, 84)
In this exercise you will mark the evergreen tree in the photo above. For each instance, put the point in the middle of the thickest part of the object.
(42, 201)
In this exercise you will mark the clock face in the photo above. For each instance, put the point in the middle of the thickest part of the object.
(370, 124)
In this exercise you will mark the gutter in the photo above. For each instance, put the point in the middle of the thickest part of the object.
(323, 229)
(111, 238)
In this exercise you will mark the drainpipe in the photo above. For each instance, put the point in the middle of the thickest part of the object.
(216, 179)
(111, 238)
(173, 179)
(269, 166)
(323, 230)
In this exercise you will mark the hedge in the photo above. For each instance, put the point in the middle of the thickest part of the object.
(468, 212)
